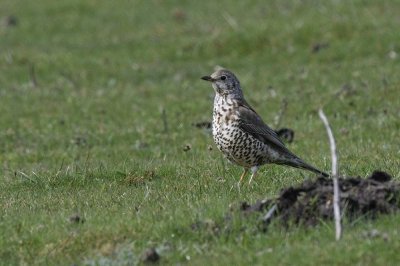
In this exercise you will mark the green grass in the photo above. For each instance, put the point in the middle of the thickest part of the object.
(89, 137)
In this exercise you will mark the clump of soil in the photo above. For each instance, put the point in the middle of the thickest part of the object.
(77, 218)
(311, 201)
(150, 255)
(286, 134)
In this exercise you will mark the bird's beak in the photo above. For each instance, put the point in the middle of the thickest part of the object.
(207, 78)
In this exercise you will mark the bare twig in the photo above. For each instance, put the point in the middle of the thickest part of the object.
(32, 75)
(270, 213)
(69, 78)
(230, 20)
(336, 191)
(282, 111)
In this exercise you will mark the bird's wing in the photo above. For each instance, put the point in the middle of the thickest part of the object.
(252, 123)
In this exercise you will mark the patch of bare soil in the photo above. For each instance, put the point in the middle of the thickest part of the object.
(311, 201)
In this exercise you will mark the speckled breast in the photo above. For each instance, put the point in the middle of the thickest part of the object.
(239, 147)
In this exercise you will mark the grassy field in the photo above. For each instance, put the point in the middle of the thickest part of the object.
(97, 105)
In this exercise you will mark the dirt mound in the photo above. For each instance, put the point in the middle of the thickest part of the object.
(310, 202)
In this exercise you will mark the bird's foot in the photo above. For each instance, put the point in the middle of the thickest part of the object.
(253, 173)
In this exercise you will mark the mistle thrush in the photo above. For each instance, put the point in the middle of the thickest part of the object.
(240, 133)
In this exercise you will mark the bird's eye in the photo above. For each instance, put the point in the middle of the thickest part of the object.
(223, 77)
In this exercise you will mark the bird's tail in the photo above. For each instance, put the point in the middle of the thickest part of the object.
(298, 163)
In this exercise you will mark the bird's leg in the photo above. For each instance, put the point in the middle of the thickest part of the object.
(243, 175)
(254, 170)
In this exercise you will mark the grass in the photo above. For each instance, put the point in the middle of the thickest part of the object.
(84, 134)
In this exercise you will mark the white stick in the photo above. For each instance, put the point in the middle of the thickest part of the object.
(336, 196)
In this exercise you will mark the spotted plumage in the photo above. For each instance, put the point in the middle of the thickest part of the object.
(240, 133)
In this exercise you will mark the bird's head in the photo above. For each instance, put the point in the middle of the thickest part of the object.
(225, 82)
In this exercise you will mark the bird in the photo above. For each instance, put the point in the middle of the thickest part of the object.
(241, 134)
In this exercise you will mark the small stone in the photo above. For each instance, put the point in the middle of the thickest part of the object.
(392, 54)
